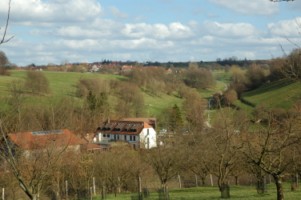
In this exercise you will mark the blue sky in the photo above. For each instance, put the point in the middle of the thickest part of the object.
(59, 31)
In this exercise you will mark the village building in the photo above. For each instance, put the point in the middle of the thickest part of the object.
(43, 140)
(138, 132)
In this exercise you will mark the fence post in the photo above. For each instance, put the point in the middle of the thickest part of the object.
(91, 193)
(179, 178)
(66, 185)
(94, 186)
(211, 179)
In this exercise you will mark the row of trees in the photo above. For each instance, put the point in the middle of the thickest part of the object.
(246, 79)
(232, 147)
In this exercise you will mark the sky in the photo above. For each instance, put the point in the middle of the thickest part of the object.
(71, 31)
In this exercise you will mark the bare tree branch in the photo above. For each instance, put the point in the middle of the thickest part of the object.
(4, 40)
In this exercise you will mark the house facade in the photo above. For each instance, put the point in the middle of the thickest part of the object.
(139, 132)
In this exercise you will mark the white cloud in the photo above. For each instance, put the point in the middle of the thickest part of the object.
(230, 29)
(295, 5)
(254, 7)
(287, 28)
(78, 30)
(158, 31)
(59, 11)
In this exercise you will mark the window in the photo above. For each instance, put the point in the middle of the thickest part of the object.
(134, 138)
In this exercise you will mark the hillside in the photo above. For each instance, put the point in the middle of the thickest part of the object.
(63, 84)
(280, 94)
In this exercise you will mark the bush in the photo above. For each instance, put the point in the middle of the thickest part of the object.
(4, 71)
(96, 86)
(198, 78)
(37, 83)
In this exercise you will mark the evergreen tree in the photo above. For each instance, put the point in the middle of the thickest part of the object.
(175, 119)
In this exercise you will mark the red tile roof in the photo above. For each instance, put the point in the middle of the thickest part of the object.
(42, 139)
(149, 121)
(128, 126)
(121, 127)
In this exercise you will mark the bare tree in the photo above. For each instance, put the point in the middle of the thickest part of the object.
(9, 156)
(4, 39)
(37, 83)
(221, 154)
(271, 146)
(165, 161)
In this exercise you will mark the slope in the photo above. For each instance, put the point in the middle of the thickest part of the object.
(279, 94)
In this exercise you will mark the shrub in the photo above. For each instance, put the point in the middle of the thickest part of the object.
(37, 83)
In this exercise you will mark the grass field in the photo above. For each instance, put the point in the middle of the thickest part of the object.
(63, 84)
(277, 94)
(212, 193)
(280, 94)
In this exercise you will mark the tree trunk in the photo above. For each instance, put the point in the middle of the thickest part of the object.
(278, 182)
(236, 180)
(103, 191)
(225, 191)
(163, 195)
(294, 184)
(261, 185)
(203, 181)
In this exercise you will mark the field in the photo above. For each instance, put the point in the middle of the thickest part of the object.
(212, 193)
(280, 94)
(63, 84)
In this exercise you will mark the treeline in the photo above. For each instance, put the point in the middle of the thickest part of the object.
(251, 77)
(231, 150)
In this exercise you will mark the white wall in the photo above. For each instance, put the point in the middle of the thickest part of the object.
(148, 138)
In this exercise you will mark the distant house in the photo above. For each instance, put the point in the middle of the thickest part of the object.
(139, 132)
(95, 68)
(39, 140)
(126, 68)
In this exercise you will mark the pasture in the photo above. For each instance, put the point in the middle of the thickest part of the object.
(212, 193)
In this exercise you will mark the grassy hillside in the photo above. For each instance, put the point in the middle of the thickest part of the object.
(280, 94)
(63, 84)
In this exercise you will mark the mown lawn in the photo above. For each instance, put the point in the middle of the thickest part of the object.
(212, 193)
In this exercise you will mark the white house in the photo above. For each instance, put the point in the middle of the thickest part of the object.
(139, 132)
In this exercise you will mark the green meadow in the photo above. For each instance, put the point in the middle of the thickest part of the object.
(212, 193)
(63, 84)
(280, 94)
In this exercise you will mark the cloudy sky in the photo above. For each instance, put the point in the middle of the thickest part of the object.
(57, 31)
